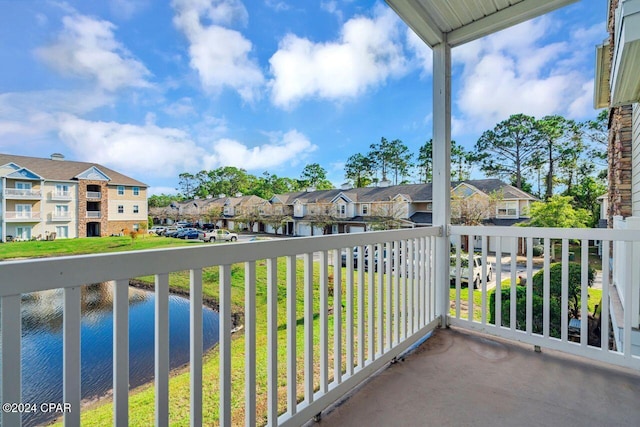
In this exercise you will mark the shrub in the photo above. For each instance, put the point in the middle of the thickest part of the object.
(555, 301)
(538, 250)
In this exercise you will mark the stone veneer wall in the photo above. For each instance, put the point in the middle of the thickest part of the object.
(82, 207)
(118, 227)
(620, 146)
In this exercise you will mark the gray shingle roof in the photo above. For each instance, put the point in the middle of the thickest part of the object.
(65, 170)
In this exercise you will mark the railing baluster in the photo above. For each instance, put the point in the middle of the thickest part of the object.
(565, 291)
(292, 323)
(361, 346)
(349, 302)
(584, 294)
(604, 309)
(162, 349)
(388, 311)
(546, 289)
(416, 286)
(457, 278)
(120, 352)
(421, 282)
(404, 260)
(513, 290)
(224, 333)
(498, 307)
(272, 343)
(11, 322)
(430, 280)
(410, 286)
(324, 324)
(250, 343)
(196, 346)
(308, 327)
(371, 304)
(628, 299)
(337, 317)
(485, 271)
(380, 298)
(71, 355)
(471, 276)
(529, 283)
(393, 309)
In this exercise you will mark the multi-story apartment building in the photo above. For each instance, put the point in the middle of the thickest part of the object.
(351, 210)
(40, 197)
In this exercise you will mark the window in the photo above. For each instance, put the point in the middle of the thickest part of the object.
(365, 209)
(120, 190)
(23, 185)
(429, 207)
(136, 227)
(136, 191)
(62, 190)
(508, 209)
(23, 211)
(23, 233)
(135, 209)
(62, 211)
(342, 210)
(62, 232)
(120, 209)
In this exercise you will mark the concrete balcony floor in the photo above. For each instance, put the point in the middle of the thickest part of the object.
(460, 378)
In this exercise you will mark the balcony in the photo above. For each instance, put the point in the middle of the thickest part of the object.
(94, 195)
(21, 216)
(61, 216)
(61, 196)
(22, 194)
(94, 214)
(344, 334)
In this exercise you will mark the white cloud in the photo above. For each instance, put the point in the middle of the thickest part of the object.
(220, 55)
(131, 149)
(277, 5)
(519, 71)
(288, 148)
(331, 7)
(366, 54)
(87, 48)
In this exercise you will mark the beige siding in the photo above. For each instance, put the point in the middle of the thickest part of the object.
(635, 184)
(127, 200)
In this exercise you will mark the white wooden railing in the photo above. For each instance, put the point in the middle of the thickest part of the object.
(22, 193)
(22, 215)
(94, 214)
(94, 194)
(377, 315)
(499, 250)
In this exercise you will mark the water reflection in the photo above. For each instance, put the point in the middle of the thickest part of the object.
(42, 323)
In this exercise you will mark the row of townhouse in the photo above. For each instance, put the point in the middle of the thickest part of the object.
(351, 210)
(57, 198)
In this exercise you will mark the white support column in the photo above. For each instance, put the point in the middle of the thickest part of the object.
(4, 210)
(442, 172)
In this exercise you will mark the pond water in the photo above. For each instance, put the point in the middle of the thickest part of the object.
(42, 342)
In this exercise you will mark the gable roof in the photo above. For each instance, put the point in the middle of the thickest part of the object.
(66, 170)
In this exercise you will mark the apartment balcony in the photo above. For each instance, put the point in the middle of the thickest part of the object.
(94, 214)
(61, 216)
(483, 371)
(21, 216)
(94, 195)
(61, 196)
(22, 194)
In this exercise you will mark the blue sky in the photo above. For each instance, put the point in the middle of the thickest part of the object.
(153, 88)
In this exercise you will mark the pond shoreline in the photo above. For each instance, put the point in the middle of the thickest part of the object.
(212, 303)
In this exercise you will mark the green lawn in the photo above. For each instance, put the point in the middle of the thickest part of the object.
(86, 245)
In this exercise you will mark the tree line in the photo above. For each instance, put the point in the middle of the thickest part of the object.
(544, 157)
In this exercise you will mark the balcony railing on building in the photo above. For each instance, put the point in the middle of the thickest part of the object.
(20, 193)
(94, 214)
(387, 300)
(61, 195)
(61, 216)
(94, 194)
(18, 216)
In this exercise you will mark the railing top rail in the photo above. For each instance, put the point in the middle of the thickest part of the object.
(25, 276)
(554, 233)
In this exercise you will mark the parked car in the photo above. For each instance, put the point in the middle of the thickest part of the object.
(464, 270)
(207, 226)
(191, 233)
(157, 229)
(172, 231)
(355, 256)
(220, 235)
(183, 231)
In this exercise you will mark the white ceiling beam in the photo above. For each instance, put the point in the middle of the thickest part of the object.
(419, 20)
(512, 15)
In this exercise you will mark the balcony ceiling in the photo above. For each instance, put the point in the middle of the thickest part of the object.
(461, 21)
